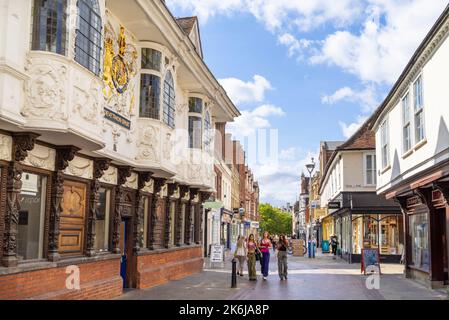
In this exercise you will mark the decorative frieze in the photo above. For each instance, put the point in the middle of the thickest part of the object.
(41, 157)
(5, 147)
(109, 176)
(80, 167)
(132, 181)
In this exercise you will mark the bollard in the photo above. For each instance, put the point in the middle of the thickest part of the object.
(234, 274)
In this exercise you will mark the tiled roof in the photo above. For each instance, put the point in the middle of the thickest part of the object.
(187, 23)
(362, 139)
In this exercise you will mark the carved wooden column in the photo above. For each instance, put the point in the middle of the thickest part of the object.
(157, 186)
(123, 173)
(171, 189)
(100, 165)
(22, 143)
(64, 155)
(144, 177)
(182, 202)
(203, 197)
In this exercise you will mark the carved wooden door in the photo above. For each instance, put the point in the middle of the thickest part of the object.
(72, 224)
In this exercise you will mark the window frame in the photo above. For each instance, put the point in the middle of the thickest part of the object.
(168, 109)
(93, 12)
(385, 145)
(373, 169)
(418, 110)
(109, 188)
(406, 123)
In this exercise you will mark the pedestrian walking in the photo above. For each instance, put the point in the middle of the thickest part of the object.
(334, 244)
(265, 246)
(251, 254)
(282, 257)
(240, 254)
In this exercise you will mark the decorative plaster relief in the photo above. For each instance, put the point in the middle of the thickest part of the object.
(86, 102)
(131, 182)
(109, 176)
(148, 143)
(45, 90)
(80, 167)
(5, 147)
(149, 186)
(41, 157)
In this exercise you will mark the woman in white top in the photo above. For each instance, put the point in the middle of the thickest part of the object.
(240, 254)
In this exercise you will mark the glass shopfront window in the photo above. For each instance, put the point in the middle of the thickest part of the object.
(346, 234)
(30, 240)
(145, 222)
(357, 234)
(370, 231)
(172, 223)
(102, 223)
(419, 234)
(192, 225)
(183, 223)
(390, 240)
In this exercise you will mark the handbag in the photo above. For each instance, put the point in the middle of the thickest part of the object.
(258, 255)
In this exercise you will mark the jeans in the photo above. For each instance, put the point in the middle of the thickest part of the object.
(241, 260)
(265, 263)
(282, 264)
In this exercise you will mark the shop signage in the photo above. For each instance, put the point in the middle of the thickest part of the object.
(413, 202)
(255, 224)
(333, 205)
(370, 257)
(116, 118)
(241, 211)
(216, 254)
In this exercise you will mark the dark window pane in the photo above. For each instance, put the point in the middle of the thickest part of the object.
(49, 26)
(151, 59)
(169, 100)
(150, 88)
(195, 128)
(195, 105)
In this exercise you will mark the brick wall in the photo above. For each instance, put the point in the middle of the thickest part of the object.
(159, 268)
(98, 280)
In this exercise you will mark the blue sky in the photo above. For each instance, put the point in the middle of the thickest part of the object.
(311, 69)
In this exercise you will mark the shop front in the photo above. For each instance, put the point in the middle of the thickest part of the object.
(226, 228)
(366, 221)
(327, 226)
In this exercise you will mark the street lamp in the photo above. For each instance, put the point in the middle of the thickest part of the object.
(310, 167)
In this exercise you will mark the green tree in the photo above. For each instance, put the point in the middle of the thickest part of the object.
(274, 220)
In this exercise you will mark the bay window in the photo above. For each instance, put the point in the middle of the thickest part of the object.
(88, 35)
(150, 88)
(406, 141)
(30, 237)
(195, 122)
(50, 26)
(151, 59)
(418, 110)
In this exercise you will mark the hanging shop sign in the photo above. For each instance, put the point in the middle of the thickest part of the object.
(413, 202)
(334, 205)
(255, 224)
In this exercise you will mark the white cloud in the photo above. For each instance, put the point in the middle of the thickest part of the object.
(244, 92)
(295, 46)
(287, 154)
(392, 30)
(349, 129)
(252, 120)
(368, 98)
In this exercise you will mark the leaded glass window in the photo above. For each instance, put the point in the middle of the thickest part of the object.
(88, 35)
(169, 100)
(151, 59)
(150, 88)
(49, 26)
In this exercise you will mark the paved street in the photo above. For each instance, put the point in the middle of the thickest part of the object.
(309, 279)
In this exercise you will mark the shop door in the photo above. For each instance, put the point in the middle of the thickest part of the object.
(124, 235)
(72, 223)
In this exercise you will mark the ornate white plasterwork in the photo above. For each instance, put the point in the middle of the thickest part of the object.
(5, 147)
(41, 157)
(147, 143)
(80, 167)
(86, 102)
(109, 176)
(45, 92)
(131, 182)
(149, 186)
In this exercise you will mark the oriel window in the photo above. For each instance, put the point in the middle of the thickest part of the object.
(150, 89)
(151, 59)
(169, 100)
(50, 26)
(88, 35)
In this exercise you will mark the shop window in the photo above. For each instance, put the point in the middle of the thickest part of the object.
(390, 240)
(151, 59)
(88, 35)
(30, 238)
(172, 223)
(169, 100)
(370, 231)
(419, 235)
(49, 26)
(145, 222)
(102, 223)
(192, 224)
(150, 89)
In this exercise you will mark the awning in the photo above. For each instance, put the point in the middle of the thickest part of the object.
(212, 205)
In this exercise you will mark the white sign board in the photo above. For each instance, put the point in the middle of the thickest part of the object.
(216, 254)
(255, 224)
